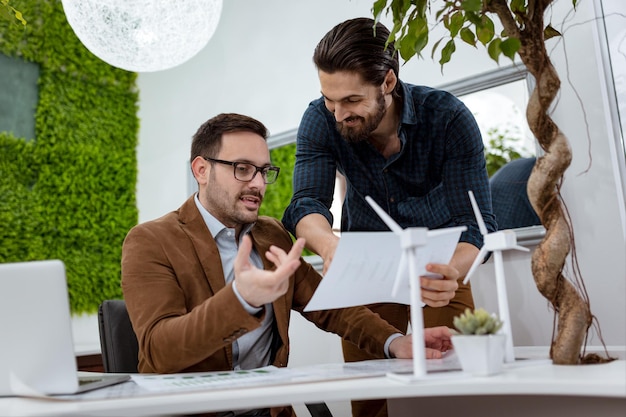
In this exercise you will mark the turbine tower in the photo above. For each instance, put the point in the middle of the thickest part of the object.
(496, 242)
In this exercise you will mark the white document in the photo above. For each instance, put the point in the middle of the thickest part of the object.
(212, 380)
(365, 265)
(271, 375)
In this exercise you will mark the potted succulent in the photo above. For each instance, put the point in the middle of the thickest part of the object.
(479, 347)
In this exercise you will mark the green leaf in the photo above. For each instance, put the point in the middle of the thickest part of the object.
(468, 36)
(510, 46)
(550, 32)
(473, 18)
(432, 55)
(494, 49)
(456, 22)
(518, 6)
(415, 39)
(417, 26)
(378, 7)
(399, 9)
(472, 5)
(421, 6)
(485, 31)
(421, 42)
(446, 52)
(18, 16)
(406, 46)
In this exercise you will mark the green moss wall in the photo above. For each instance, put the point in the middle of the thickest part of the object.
(278, 195)
(69, 192)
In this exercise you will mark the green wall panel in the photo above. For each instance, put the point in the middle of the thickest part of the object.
(69, 194)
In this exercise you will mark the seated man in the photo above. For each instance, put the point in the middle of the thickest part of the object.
(509, 197)
(210, 286)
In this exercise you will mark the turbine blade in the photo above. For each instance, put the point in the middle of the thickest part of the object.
(399, 274)
(479, 217)
(391, 224)
(479, 259)
(522, 248)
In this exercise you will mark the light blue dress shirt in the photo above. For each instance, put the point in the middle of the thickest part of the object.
(253, 349)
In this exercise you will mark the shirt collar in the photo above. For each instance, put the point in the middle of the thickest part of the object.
(214, 225)
(409, 115)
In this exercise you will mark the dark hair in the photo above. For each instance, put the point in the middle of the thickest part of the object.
(207, 141)
(358, 45)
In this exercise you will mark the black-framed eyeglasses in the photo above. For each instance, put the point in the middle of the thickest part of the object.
(245, 172)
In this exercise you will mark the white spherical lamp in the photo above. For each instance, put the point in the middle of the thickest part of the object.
(143, 35)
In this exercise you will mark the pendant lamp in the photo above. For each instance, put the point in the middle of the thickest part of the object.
(143, 35)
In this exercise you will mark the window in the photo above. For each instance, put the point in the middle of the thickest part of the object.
(19, 97)
(498, 101)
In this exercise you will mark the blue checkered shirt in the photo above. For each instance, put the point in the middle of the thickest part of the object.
(423, 185)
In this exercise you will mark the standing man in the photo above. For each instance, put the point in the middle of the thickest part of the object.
(415, 150)
(210, 286)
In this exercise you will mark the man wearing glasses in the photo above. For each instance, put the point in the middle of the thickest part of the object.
(210, 286)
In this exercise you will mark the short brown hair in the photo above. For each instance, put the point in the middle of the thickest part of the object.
(207, 141)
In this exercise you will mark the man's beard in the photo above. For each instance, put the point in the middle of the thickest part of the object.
(369, 123)
(225, 206)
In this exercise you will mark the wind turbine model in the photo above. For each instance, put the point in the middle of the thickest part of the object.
(410, 239)
(496, 242)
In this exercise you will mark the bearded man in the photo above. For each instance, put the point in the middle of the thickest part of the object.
(415, 150)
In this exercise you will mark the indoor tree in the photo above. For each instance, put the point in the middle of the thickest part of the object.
(524, 34)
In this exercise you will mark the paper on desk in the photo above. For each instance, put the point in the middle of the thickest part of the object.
(215, 380)
(271, 375)
(365, 265)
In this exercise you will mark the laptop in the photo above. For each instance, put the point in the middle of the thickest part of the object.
(36, 345)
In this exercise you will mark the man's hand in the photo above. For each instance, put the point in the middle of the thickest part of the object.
(436, 340)
(258, 286)
(439, 292)
(330, 252)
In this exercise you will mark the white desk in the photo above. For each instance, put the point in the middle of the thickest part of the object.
(546, 389)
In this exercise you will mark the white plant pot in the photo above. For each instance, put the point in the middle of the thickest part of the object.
(480, 355)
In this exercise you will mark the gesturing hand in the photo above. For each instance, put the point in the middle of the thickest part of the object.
(259, 286)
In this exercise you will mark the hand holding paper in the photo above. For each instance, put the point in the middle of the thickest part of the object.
(439, 292)
(364, 263)
(365, 266)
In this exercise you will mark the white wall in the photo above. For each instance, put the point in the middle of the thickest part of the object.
(259, 64)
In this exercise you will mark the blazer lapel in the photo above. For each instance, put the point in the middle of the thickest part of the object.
(192, 223)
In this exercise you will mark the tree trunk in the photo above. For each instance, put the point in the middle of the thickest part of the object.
(574, 315)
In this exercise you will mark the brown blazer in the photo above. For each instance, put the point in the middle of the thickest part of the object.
(186, 317)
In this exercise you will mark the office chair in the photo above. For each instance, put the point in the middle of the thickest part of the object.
(120, 350)
(509, 197)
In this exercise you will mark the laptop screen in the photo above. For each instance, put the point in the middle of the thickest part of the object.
(36, 349)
